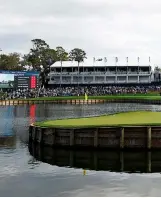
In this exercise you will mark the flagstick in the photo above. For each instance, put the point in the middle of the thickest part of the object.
(94, 60)
(61, 74)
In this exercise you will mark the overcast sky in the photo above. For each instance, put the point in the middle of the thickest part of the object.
(100, 27)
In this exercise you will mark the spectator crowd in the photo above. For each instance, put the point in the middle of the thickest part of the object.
(78, 91)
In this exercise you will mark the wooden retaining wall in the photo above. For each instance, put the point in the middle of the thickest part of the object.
(138, 161)
(23, 102)
(104, 137)
(74, 102)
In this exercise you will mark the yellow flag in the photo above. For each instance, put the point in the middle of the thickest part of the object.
(84, 172)
(86, 97)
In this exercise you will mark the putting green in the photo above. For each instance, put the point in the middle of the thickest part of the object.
(139, 118)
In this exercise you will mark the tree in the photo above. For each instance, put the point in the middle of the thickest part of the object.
(25, 62)
(61, 54)
(41, 56)
(35, 55)
(157, 69)
(47, 59)
(77, 55)
(39, 45)
(10, 62)
(34, 61)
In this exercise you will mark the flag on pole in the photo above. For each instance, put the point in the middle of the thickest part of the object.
(94, 60)
(116, 60)
(149, 60)
(105, 59)
(138, 60)
(127, 59)
(86, 97)
(99, 59)
(84, 172)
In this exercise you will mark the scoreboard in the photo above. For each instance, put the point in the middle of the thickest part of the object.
(20, 80)
(30, 82)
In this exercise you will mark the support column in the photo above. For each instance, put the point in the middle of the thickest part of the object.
(149, 162)
(122, 161)
(122, 138)
(96, 138)
(149, 137)
(138, 79)
(72, 137)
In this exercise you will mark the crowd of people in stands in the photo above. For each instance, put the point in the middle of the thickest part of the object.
(78, 91)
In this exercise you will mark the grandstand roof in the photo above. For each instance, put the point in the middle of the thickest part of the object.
(89, 63)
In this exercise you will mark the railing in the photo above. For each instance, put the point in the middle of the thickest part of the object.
(144, 81)
(99, 73)
(132, 81)
(144, 72)
(121, 81)
(98, 81)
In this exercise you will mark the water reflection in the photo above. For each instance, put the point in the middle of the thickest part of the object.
(8, 142)
(32, 113)
(21, 174)
(130, 162)
(7, 114)
(7, 134)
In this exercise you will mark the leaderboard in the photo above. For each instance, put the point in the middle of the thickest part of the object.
(26, 82)
(20, 79)
(33, 82)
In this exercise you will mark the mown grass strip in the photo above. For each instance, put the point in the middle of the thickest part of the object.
(108, 97)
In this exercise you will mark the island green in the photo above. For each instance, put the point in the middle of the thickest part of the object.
(136, 118)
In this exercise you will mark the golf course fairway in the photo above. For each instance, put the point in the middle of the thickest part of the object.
(137, 118)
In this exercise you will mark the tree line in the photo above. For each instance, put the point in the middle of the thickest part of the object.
(40, 57)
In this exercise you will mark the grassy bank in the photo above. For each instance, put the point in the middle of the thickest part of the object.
(140, 118)
(107, 97)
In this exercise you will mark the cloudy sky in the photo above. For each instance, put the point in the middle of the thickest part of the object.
(101, 27)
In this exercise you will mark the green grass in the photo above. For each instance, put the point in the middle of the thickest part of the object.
(107, 97)
(138, 118)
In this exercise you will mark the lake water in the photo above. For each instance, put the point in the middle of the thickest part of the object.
(28, 170)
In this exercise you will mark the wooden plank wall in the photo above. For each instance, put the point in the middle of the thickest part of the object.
(90, 101)
(105, 137)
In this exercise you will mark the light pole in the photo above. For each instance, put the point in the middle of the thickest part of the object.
(78, 78)
(49, 63)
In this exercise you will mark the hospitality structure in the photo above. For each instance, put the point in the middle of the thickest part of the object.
(98, 72)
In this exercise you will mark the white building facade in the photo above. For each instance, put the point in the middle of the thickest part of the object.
(68, 72)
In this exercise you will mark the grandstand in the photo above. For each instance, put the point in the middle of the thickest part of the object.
(98, 73)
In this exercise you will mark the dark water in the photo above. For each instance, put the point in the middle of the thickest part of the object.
(28, 170)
